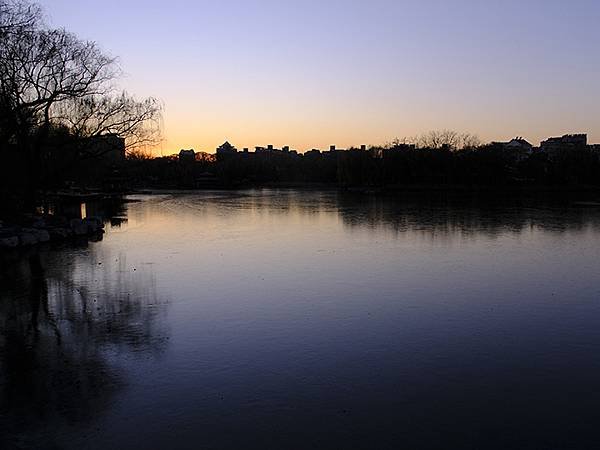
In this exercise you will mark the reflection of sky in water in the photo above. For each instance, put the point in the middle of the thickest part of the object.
(283, 319)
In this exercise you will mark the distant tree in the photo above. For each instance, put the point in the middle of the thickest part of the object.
(205, 157)
(397, 142)
(439, 139)
(469, 141)
(139, 154)
(449, 139)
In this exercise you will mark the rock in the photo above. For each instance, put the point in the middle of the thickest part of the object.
(27, 239)
(97, 237)
(59, 233)
(40, 235)
(46, 228)
(43, 235)
(9, 242)
(57, 221)
(78, 227)
(94, 224)
(91, 224)
(39, 223)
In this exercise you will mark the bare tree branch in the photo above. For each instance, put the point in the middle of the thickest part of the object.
(49, 77)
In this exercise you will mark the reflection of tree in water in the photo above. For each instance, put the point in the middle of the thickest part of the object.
(443, 216)
(434, 214)
(62, 314)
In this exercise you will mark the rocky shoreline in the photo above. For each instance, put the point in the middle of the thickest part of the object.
(41, 229)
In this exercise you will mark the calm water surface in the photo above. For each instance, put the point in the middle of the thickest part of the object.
(284, 319)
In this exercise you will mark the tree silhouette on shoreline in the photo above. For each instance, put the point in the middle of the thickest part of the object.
(52, 80)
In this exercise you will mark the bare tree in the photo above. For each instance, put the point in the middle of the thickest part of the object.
(138, 122)
(397, 142)
(469, 141)
(447, 139)
(42, 69)
(18, 15)
(17, 19)
(50, 78)
(439, 139)
(139, 154)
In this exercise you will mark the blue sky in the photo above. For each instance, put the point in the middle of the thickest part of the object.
(314, 73)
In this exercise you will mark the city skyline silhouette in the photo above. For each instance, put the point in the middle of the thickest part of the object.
(310, 74)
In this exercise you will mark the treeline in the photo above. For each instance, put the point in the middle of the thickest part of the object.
(238, 171)
(484, 165)
(392, 166)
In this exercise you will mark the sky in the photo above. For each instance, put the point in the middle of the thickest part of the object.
(310, 74)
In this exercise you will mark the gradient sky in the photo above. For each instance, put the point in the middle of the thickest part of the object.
(314, 73)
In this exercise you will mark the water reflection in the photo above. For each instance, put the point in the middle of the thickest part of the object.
(491, 217)
(65, 315)
(430, 213)
(307, 320)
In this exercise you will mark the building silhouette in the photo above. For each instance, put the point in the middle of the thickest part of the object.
(225, 151)
(187, 156)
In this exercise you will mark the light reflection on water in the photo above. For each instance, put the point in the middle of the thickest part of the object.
(284, 319)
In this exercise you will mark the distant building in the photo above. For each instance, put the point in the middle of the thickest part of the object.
(333, 152)
(270, 150)
(519, 143)
(401, 147)
(226, 150)
(312, 153)
(518, 149)
(187, 156)
(395, 150)
(566, 142)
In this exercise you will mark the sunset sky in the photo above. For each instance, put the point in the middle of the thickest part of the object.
(314, 73)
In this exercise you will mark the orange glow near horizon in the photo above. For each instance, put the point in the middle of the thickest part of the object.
(346, 73)
(210, 137)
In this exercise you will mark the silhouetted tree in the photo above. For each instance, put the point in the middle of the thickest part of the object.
(439, 139)
(100, 114)
(139, 154)
(49, 78)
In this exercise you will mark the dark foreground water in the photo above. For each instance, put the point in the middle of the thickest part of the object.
(281, 319)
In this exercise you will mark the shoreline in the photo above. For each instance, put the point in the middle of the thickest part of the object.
(27, 230)
(42, 229)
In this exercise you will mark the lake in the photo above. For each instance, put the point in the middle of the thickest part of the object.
(281, 319)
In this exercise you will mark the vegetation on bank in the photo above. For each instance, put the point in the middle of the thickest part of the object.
(439, 163)
(59, 101)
